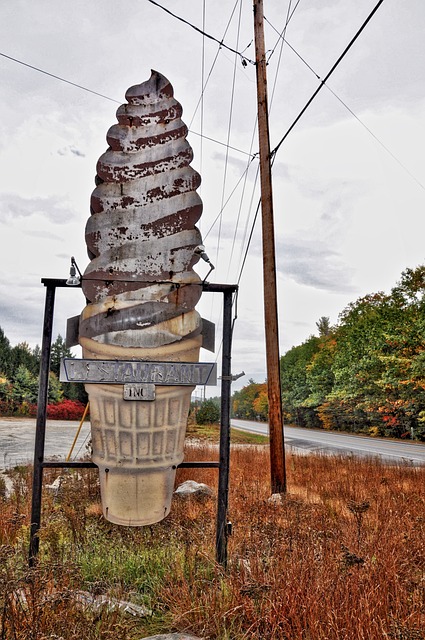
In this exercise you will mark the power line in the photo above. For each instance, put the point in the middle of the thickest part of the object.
(240, 206)
(328, 75)
(223, 144)
(282, 35)
(281, 38)
(204, 86)
(244, 59)
(273, 153)
(202, 92)
(101, 95)
(228, 199)
(52, 75)
(229, 127)
(249, 241)
(374, 136)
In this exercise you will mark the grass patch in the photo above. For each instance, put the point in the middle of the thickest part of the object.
(243, 437)
(211, 433)
(341, 556)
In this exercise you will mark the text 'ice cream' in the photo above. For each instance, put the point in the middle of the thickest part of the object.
(141, 292)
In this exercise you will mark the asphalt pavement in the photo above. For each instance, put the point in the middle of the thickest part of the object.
(17, 438)
(332, 442)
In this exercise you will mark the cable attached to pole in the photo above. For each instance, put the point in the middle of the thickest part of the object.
(322, 82)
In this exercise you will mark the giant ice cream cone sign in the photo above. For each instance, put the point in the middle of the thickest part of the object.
(141, 291)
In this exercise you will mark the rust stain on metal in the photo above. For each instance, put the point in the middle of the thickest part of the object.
(142, 232)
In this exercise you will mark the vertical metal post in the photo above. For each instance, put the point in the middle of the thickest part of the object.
(40, 432)
(277, 451)
(224, 468)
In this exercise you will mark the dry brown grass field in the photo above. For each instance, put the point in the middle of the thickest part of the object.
(340, 557)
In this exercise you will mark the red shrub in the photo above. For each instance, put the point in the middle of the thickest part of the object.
(66, 410)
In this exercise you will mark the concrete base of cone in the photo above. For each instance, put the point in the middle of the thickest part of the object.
(138, 445)
(136, 497)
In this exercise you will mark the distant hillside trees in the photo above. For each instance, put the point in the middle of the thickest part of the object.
(367, 374)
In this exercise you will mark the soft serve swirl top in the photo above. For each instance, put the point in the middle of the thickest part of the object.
(141, 236)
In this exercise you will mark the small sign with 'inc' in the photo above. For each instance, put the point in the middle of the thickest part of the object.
(139, 392)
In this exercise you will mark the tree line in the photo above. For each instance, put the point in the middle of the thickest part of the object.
(366, 374)
(19, 381)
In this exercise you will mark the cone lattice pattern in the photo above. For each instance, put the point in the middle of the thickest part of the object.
(133, 433)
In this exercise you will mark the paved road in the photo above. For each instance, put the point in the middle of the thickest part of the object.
(17, 436)
(310, 440)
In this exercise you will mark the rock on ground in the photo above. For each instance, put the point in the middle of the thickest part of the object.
(192, 488)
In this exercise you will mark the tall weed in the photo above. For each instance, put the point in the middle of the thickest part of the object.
(341, 556)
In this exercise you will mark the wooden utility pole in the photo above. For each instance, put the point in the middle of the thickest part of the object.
(277, 451)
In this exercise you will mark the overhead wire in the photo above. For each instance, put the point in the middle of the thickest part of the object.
(52, 75)
(204, 86)
(246, 243)
(243, 58)
(228, 198)
(335, 65)
(244, 254)
(288, 18)
(328, 75)
(250, 154)
(245, 176)
(282, 35)
(200, 102)
(229, 127)
(345, 105)
(281, 39)
(101, 95)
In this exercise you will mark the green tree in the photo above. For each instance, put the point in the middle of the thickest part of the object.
(25, 386)
(5, 349)
(319, 374)
(59, 350)
(21, 355)
(296, 388)
(379, 381)
(70, 390)
(368, 372)
(5, 389)
(55, 391)
(36, 354)
(261, 402)
(208, 413)
(324, 326)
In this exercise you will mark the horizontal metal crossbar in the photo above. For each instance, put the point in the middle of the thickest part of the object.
(54, 464)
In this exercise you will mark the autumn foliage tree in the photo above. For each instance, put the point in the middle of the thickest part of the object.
(251, 403)
(366, 374)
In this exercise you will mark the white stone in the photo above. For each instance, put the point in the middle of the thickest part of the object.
(191, 488)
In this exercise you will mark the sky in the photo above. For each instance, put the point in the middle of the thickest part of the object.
(348, 181)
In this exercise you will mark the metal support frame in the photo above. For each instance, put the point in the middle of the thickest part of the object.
(223, 465)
